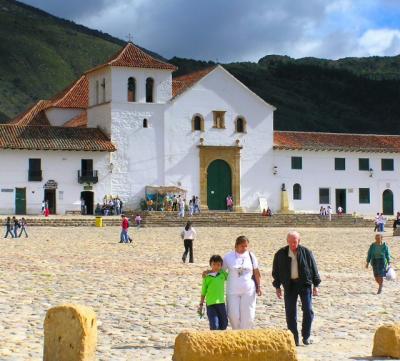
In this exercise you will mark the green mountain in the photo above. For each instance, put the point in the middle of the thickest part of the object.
(41, 54)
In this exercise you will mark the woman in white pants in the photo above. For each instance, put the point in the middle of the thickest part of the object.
(242, 288)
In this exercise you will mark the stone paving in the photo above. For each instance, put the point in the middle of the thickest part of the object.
(144, 296)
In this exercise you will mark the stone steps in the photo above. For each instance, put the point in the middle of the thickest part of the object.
(74, 222)
(209, 219)
(231, 219)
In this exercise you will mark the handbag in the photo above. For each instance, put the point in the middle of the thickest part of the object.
(253, 277)
(390, 274)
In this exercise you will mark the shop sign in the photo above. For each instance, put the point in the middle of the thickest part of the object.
(50, 184)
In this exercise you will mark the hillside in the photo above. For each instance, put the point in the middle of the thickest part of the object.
(41, 54)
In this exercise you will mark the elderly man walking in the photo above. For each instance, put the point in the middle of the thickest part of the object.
(295, 269)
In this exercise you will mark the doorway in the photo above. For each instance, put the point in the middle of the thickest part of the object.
(341, 199)
(50, 198)
(387, 202)
(20, 200)
(219, 184)
(88, 198)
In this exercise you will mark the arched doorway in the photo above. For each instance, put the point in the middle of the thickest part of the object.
(219, 184)
(88, 198)
(387, 202)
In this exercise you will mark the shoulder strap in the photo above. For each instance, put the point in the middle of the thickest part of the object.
(251, 259)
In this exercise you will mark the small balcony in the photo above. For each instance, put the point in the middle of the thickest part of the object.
(87, 176)
(34, 175)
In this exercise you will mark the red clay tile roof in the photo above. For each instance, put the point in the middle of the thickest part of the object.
(34, 115)
(53, 138)
(336, 142)
(75, 95)
(80, 121)
(132, 56)
(184, 82)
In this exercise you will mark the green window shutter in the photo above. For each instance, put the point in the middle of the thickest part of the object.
(297, 163)
(387, 164)
(340, 163)
(324, 196)
(363, 195)
(363, 164)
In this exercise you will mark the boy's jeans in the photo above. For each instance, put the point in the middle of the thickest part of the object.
(124, 236)
(217, 316)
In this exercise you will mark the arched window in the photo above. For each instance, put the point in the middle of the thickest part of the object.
(240, 125)
(197, 122)
(296, 191)
(131, 89)
(149, 90)
(145, 123)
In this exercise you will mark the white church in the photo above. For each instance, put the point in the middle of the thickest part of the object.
(128, 124)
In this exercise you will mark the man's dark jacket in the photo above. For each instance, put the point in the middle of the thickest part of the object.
(281, 269)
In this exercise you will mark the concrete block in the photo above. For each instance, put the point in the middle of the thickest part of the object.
(235, 345)
(70, 334)
(387, 341)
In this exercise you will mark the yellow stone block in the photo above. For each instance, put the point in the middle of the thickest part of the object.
(285, 203)
(70, 334)
(387, 341)
(235, 345)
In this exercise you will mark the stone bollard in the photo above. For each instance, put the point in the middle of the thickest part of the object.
(70, 334)
(387, 341)
(236, 345)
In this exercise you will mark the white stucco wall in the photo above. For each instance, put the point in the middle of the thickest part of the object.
(220, 91)
(100, 116)
(162, 84)
(319, 172)
(99, 75)
(59, 166)
(58, 116)
(138, 160)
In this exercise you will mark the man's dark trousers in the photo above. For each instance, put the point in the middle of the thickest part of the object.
(188, 243)
(291, 295)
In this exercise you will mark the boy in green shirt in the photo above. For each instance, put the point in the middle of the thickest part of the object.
(213, 290)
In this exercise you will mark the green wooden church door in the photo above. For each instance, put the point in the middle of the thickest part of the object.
(20, 200)
(219, 184)
(387, 200)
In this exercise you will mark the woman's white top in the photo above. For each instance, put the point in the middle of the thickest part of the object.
(190, 234)
(240, 271)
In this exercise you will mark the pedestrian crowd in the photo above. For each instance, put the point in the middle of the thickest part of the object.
(110, 207)
(175, 203)
(294, 268)
(15, 227)
(295, 276)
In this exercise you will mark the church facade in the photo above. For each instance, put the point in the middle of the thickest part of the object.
(129, 123)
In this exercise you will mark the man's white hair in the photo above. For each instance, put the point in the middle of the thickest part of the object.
(293, 234)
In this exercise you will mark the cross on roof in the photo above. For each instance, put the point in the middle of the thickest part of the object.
(129, 37)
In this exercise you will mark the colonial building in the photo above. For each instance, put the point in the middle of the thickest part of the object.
(129, 123)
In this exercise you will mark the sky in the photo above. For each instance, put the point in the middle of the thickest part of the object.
(243, 30)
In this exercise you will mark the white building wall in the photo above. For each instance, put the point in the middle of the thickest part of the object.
(100, 116)
(138, 160)
(58, 116)
(319, 172)
(162, 84)
(220, 91)
(60, 166)
(98, 76)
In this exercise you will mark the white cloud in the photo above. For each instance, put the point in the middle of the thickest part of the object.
(237, 30)
(380, 41)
